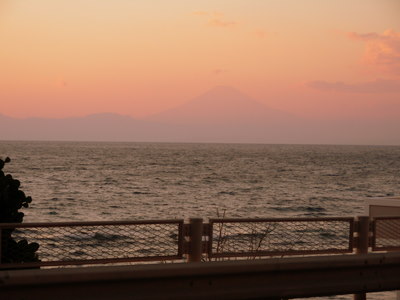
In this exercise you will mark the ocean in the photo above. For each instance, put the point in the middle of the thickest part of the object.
(79, 181)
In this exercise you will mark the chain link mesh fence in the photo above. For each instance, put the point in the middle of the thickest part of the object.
(386, 234)
(269, 237)
(83, 243)
(101, 242)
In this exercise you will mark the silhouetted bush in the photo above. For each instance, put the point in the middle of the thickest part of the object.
(11, 200)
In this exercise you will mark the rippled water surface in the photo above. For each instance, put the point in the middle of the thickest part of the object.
(114, 181)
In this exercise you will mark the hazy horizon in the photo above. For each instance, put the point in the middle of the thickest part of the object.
(221, 115)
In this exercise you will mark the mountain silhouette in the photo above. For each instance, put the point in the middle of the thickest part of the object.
(221, 105)
(227, 115)
(96, 127)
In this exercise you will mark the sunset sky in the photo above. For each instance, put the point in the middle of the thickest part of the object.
(318, 59)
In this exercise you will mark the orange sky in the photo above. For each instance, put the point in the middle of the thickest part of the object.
(322, 59)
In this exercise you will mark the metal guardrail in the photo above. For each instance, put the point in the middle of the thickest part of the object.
(274, 278)
(85, 243)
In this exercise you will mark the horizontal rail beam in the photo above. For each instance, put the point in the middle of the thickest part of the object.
(92, 223)
(263, 220)
(260, 279)
(77, 262)
(253, 254)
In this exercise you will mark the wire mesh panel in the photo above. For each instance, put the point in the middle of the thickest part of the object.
(386, 234)
(99, 242)
(267, 237)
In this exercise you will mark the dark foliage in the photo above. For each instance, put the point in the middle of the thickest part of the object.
(11, 200)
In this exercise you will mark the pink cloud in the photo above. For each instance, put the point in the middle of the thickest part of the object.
(61, 82)
(217, 19)
(381, 50)
(219, 71)
(260, 33)
(376, 86)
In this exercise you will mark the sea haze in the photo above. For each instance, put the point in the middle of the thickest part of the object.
(114, 181)
(220, 115)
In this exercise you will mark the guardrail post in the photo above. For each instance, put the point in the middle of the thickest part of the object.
(363, 235)
(196, 238)
(362, 245)
(1, 242)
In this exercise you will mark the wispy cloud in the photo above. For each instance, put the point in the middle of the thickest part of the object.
(219, 20)
(381, 50)
(216, 19)
(376, 86)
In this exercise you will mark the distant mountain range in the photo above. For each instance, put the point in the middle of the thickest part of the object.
(222, 114)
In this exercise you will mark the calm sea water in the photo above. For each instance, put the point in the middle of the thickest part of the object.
(71, 181)
(114, 181)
